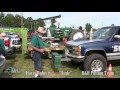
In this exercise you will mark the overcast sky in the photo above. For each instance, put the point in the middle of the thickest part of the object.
(97, 19)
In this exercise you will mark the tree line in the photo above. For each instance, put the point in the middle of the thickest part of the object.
(9, 20)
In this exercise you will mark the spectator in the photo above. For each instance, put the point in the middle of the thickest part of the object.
(38, 49)
(2, 45)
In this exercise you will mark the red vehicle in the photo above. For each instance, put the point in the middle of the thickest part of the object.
(31, 33)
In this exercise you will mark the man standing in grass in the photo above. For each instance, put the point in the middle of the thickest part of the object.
(38, 49)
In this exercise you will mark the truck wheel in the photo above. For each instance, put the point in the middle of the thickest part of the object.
(76, 34)
(95, 62)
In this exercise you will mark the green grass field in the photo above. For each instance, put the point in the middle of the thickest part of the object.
(25, 69)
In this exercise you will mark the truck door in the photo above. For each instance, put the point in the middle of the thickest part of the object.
(115, 44)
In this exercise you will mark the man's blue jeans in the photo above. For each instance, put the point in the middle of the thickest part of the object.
(37, 61)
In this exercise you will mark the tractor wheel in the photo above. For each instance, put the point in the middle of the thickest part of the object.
(76, 34)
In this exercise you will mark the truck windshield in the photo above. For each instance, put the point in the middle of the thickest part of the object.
(103, 33)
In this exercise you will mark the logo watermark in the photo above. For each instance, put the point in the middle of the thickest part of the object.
(42, 73)
(11, 70)
(46, 73)
(96, 73)
(64, 72)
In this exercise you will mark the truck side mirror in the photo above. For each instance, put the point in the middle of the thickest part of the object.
(117, 36)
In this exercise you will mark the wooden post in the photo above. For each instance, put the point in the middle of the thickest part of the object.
(91, 34)
(84, 33)
(22, 20)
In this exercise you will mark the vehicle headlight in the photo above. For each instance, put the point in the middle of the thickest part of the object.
(76, 50)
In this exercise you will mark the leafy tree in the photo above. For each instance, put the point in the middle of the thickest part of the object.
(94, 29)
(17, 21)
(28, 23)
(9, 20)
(2, 16)
(41, 22)
(88, 26)
(37, 23)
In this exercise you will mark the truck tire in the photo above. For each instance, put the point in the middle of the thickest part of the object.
(75, 34)
(95, 62)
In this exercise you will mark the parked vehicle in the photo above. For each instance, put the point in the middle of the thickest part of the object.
(15, 40)
(2, 64)
(11, 34)
(95, 53)
(31, 33)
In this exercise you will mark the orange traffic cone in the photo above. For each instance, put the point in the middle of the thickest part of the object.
(109, 72)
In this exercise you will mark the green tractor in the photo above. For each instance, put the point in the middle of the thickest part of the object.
(59, 33)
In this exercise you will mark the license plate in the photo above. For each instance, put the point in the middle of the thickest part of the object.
(15, 42)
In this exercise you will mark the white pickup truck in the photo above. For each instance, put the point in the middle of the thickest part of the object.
(15, 41)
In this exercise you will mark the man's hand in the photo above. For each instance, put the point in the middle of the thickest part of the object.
(46, 50)
(36, 49)
(41, 50)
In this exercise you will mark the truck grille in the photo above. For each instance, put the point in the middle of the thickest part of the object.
(69, 47)
(73, 50)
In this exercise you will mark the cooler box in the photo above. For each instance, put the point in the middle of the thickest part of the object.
(56, 58)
